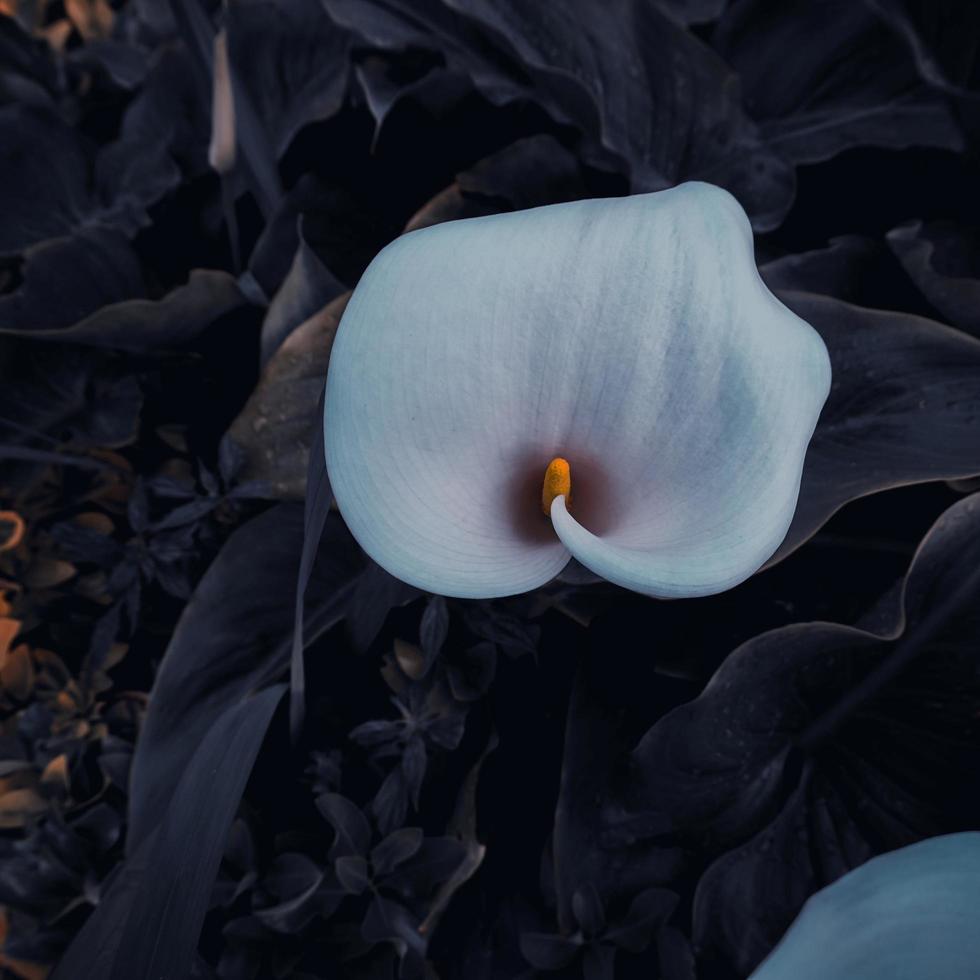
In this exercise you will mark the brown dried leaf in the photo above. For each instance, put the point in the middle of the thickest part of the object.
(57, 35)
(17, 672)
(274, 427)
(24, 969)
(94, 586)
(12, 530)
(46, 573)
(92, 18)
(8, 630)
(113, 484)
(221, 151)
(450, 204)
(115, 655)
(410, 658)
(95, 521)
(175, 436)
(19, 805)
(27, 13)
(79, 729)
(55, 778)
(70, 700)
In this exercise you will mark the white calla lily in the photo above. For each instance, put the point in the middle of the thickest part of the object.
(910, 914)
(631, 337)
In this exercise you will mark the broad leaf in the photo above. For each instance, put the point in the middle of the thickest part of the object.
(290, 60)
(233, 638)
(276, 426)
(147, 926)
(854, 268)
(341, 229)
(351, 828)
(610, 692)
(57, 398)
(902, 409)
(309, 285)
(651, 99)
(162, 141)
(44, 174)
(68, 279)
(52, 183)
(818, 745)
(845, 80)
(943, 260)
(130, 324)
(941, 36)
(395, 849)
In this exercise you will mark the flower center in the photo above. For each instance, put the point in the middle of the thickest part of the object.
(557, 483)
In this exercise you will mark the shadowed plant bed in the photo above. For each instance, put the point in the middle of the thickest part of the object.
(489, 489)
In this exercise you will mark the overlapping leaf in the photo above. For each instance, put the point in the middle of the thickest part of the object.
(44, 173)
(290, 60)
(648, 97)
(275, 428)
(817, 745)
(943, 260)
(86, 290)
(903, 408)
(69, 278)
(56, 182)
(57, 404)
(120, 248)
(844, 80)
(233, 639)
(940, 35)
(148, 923)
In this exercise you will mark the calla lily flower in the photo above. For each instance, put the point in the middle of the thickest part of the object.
(910, 914)
(604, 379)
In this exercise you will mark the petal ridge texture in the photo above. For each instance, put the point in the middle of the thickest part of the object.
(631, 336)
(910, 914)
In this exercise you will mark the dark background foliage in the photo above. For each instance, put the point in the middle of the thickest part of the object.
(575, 782)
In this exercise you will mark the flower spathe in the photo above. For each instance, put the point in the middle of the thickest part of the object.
(630, 337)
(910, 914)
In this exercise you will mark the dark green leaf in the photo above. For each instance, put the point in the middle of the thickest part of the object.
(395, 849)
(147, 926)
(233, 638)
(903, 408)
(850, 80)
(818, 745)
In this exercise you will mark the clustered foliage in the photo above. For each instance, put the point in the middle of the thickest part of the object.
(573, 782)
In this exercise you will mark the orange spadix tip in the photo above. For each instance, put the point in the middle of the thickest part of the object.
(557, 483)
